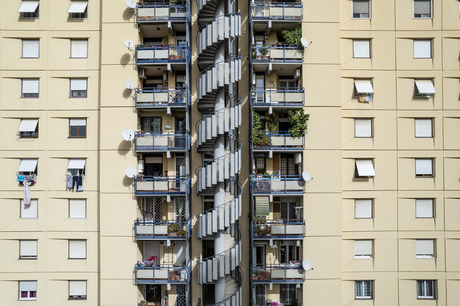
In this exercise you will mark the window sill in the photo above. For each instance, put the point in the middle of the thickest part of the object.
(424, 257)
(424, 176)
(27, 258)
(363, 298)
(77, 137)
(363, 257)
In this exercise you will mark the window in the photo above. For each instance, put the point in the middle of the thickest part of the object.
(422, 8)
(29, 9)
(78, 88)
(424, 208)
(77, 290)
(363, 289)
(77, 249)
(363, 90)
(28, 128)
(78, 9)
(424, 248)
(77, 128)
(29, 211)
(287, 293)
(363, 128)
(28, 290)
(424, 167)
(363, 249)
(78, 48)
(77, 208)
(363, 208)
(260, 161)
(426, 289)
(28, 166)
(422, 48)
(30, 48)
(30, 88)
(28, 249)
(364, 168)
(423, 127)
(77, 166)
(361, 48)
(361, 8)
(424, 88)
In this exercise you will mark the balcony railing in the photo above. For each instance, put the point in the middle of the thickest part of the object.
(164, 229)
(145, 142)
(161, 185)
(156, 11)
(162, 54)
(162, 97)
(280, 140)
(277, 184)
(278, 97)
(278, 229)
(278, 273)
(148, 273)
(291, 11)
(276, 54)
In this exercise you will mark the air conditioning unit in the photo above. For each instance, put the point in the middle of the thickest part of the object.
(297, 73)
(142, 73)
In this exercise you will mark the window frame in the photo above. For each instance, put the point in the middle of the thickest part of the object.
(424, 296)
(24, 134)
(78, 297)
(424, 174)
(28, 257)
(368, 11)
(372, 208)
(30, 39)
(22, 89)
(78, 128)
(433, 203)
(28, 298)
(21, 209)
(369, 45)
(371, 127)
(35, 14)
(415, 127)
(86, 249)
(81, 93)
(361, 283)
(431, 48)
(79, 15)
(421, 17)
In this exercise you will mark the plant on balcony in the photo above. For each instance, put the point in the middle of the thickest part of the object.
(298, 120)
(143, 303)
(272, 123)
(173, 229)
(181, 233)
(294, 302)
(293, 37)
(256, 231)
(255, 274)
(264, 52)
(257, 136)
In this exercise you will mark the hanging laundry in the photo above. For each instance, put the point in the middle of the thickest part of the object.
(20, 178)
(26, 192)
(79, 181)
(69, 181)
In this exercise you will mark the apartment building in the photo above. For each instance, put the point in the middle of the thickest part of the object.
(200, 153)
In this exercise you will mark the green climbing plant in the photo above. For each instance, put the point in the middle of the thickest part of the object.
(272, 123)
(299, 122)
(292, 37)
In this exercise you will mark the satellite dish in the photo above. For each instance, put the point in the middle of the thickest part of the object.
(130, 4)
(131, 171)
(306, 265)
(127, 134)
(304, 42)
(129, 43)
(129, 85)
(306, 176)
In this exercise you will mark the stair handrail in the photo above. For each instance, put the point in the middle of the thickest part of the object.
(240, 236)
(226, 203)
(211, 20)
(224, 302)
(240, 144)
(231, 57)
(240, 102)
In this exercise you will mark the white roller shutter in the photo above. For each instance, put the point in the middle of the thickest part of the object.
(79, 48)
(77, 7)
(363, 248)
(28, 248)
(363, 128)
(77, 208)
(422, 48)
(76, 164)
(364, 87)
(30, 48)
(424, 166)
(29, 210)
(361, 48)
(423, 127)
(363, 208)
(77, 288)
(30, 85)
(424, 248)
(424, 208)
(78, 84)
(425, 87)
(28, 286)
(77, 248)
(28, 6)
(77, 122)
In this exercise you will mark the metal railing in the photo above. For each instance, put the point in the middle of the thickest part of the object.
(278, 229)
(149, 273)
(277, 54)
(283, 97)
(217, 29)
(235, 299)
(161, 142)
(162, 97)
(161, 185)
(164, 229)
(292, 11)
(277, 140)
(278, 273)
(157, 11)
(162, 53)
(277, 184)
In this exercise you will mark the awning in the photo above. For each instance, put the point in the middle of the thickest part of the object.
(28, 125)
(363, 87)
(262, 206)
(28, 165)
(28, 6)
(76, 164)
(77, 7)
(425, 87)
(365, 167)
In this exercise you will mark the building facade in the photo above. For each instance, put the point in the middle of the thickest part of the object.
(201, 153)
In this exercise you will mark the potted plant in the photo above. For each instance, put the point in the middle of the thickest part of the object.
(256, 231)
(173, 229)
(293, 37)
(143, 303)
(298, 120)
(264, 51)
(181, 233)
(255, 274)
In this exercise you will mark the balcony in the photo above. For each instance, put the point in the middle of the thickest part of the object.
(162, 230)
(161, 185)
(161, 142)
(278, 97)
(278, 273)
(159, 98)
(278, 229)
(276, 54)
(162, 54)
(277, 184)
(149, 273)
(280, 140)
(152, 12)
(276, 15)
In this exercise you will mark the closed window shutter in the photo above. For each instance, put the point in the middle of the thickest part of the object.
(30, 48)
(30, 85)
(363, 208)
(78, 84)
(361, 48)
(422, 7)
(77, 208)
(77, 288)
(28, 286)
(422, 48)
(77, 122)
(29, 248)
(424, 247)
(79, 48)
(262, 206)
(29, 210)
(363, 128)
(363, 248)
(424, 208)
(360, 7)
(77, 248)
(424, 167)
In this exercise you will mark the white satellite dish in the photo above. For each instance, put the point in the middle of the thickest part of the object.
(306, 265)
(304, 42)
(127, 134)
(129, 85)
(306, 176)
(131, 171)
(129, 43)
(130, 4)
